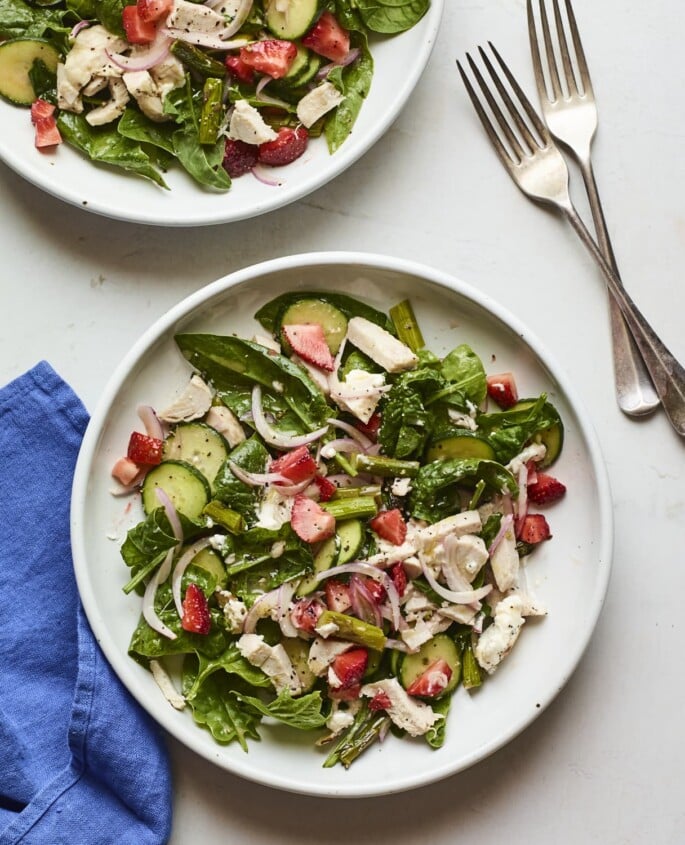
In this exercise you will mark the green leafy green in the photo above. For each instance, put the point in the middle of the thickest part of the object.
(134, 125)
(406, 423)
(22, 20)
(43, 81)
(108, 12)
(148, 643)
(354, 83)
(464, 369)
(508, 431)
(231, 662)
(251, 456)
(238, 397)
(269, 315)
(391, 16)
(303, 713)
(435, 735)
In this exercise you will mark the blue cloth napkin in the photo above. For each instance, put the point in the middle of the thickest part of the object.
(80, 762)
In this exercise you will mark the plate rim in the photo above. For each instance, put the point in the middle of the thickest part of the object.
(343, 158)
(161, 326)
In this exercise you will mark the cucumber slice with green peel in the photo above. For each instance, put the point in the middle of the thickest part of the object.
(333, 321)
(210, 561)
(16, 60)
(197, 444)
(460, 444)
(551, 437)
(441, 647)
(350, 532)
(295, 21)
(298, 652)
(326, 558)
(373, 662)
(309, 71)
(186, 487)
(299, 64)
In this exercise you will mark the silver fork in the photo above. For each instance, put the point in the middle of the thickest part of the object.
(571, 116)
(537, 166)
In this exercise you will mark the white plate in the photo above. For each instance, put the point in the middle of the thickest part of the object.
(569, 574)
(65, 173)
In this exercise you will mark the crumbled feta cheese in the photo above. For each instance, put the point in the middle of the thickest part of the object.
(234, 610)
(467, 522)
(401, 486)
(535, 452)
(359, 394)
(247, 124)
(462, 420)
(317, 103)
(274, 510)
(497, 641)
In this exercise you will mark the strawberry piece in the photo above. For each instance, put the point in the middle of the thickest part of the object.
(380, 701)
(136, 29)
(534, 529)
(310, 522)
(47, 133)
(126, 471)
(432, 682)
(196, 618)
(145, 450)
(337, 595)
(399, 577)
(328, 38)
(272, 57)
(239, 69)
(296, 466)
(153, 10)
(348, 669)
(309, 342)
(351, 694)
(545, 489)
(390, 526)
(239, 158)
(502, 388)
(289, 145)
(370, 428)
(326, 488)
(41, 109)
(305, 614)
(376, 589)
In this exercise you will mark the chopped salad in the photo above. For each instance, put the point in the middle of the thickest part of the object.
(336, 523)
(223, 88)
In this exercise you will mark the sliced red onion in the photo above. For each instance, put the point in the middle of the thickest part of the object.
(505, 525)
(149, 613)
(363, 605)
(256, 479)
(477, 623)
(285, 596)
(398, 645)
(342, 480)
(261, 85)
(464, 597)
(373, 572)
(153, 427)
(352, 56)
(522, 502)
(171, 513)
(180, 568)
(261, 176)
(293, 489)
(343, 444)
(241, 15)
(276, 438)
(146, 58)
(354, 433)
(262, 608)
(79, 26)
(203, 39)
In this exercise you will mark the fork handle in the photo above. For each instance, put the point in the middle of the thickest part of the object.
(635, 392)
(667, 374)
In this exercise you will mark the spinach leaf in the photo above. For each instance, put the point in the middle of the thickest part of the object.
(435, 735)
(232, 662)
(435, 490)
(354, 83)
(85, 9)
(464, 369)
(406, 425)
(303, 713)
(249, 455)
(148, 643)
(356, 360)
(221, 358)
(43, 81)
(490, 528)
(392, 16)
(152, 538)
(108, 12)
(269, 315)
(104, 144)
(135, 126)
(214, 707)
(19, 19)
(238, 398)
(509, 431)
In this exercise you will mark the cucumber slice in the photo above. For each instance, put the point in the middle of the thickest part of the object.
(309, 71)
(299, 64)
(326, 558)
(210, 561)
(440, 647)
(186, 487)
(551, 437)
(460, 444)
(305, 311)
(298, 652)
(350, 532)
(294, 22)
(197, 444)
(16, 59)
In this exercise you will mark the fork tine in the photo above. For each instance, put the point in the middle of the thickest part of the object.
(563, 46)
(502, 151)
(549, 50)
(580, 53)
(540, 127)
(535, 52)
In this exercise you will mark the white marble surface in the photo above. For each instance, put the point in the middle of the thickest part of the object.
(604, 763)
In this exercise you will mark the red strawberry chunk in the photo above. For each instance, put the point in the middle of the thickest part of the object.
(390, 526)
(47, 133)
(433, 681)
(348, 669)
(126, 471)
(370, 428)
(326, 488)
(309, 342)
(305, 614)
(145, 450)
(328, 38)
(310, 522)
(376, 589)
(242, 71)
(296, 466)
(154, 10)
(136, 29)
(502, 388)
(545, 489)
(239, 158)
(337, 595)
(398, 575)
(380, 701)
(196, 618)
(346, 694)
(272, 57)
(288, 146)
(41, 109)
(534, 529)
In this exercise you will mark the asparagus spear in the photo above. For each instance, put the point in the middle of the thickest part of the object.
(386, 467)
(408, 331)
(359, 507)
(353, 630)
(212, 110)
(229, 519)
(365, 730)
